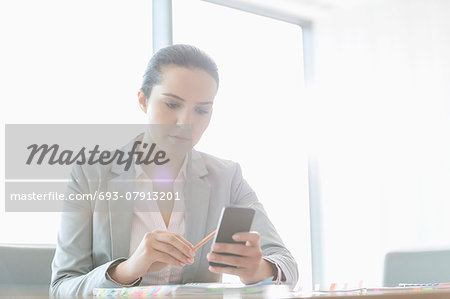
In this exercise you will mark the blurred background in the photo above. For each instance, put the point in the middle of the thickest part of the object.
(337, 110)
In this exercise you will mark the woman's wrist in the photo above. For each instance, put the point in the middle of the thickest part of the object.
(265, 270)
(268, 269)
(122, 274)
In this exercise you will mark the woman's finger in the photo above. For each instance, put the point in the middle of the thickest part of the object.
(226, 270)
(238, 249)
(173, 240)
(184, 240)
(171, 250)
(167, 259)
(231, 260)
(251, 237)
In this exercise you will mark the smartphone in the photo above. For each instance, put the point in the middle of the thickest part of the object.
(232, 220)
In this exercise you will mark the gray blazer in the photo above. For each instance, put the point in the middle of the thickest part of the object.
(95, 235)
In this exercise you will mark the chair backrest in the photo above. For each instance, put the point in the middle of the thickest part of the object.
(416, 267)
(25, 269)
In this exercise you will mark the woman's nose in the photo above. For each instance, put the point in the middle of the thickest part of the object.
(184, 119)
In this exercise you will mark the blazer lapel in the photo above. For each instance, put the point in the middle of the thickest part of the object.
(121, 210)
(197, 191)
(120, 215)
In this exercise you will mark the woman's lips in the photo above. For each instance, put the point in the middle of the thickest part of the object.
(181, 138)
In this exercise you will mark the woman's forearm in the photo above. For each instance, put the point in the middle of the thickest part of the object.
(122, 274)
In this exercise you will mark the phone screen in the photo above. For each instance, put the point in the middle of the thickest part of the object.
(232, 220)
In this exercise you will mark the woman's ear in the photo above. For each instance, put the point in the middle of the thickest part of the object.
(142, 100)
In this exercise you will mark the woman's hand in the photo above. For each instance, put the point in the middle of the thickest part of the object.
(156, 250)
(250, 266)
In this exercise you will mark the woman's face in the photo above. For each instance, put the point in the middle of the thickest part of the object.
(184, 98)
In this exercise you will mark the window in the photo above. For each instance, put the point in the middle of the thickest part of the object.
(68, 62)
(258, 118)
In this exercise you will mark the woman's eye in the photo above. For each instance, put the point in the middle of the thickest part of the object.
(172, 105)
(202, 111)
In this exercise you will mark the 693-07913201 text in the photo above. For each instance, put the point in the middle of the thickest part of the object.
(132, 195)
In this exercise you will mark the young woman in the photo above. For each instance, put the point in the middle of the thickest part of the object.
(129, 243)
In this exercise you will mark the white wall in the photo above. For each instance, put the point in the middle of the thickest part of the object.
(381, 129)
(73, 62)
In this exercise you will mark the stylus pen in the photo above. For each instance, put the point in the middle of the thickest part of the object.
(211, 235)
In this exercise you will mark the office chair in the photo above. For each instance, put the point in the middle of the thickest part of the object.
(25, 269)
(416, 267)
